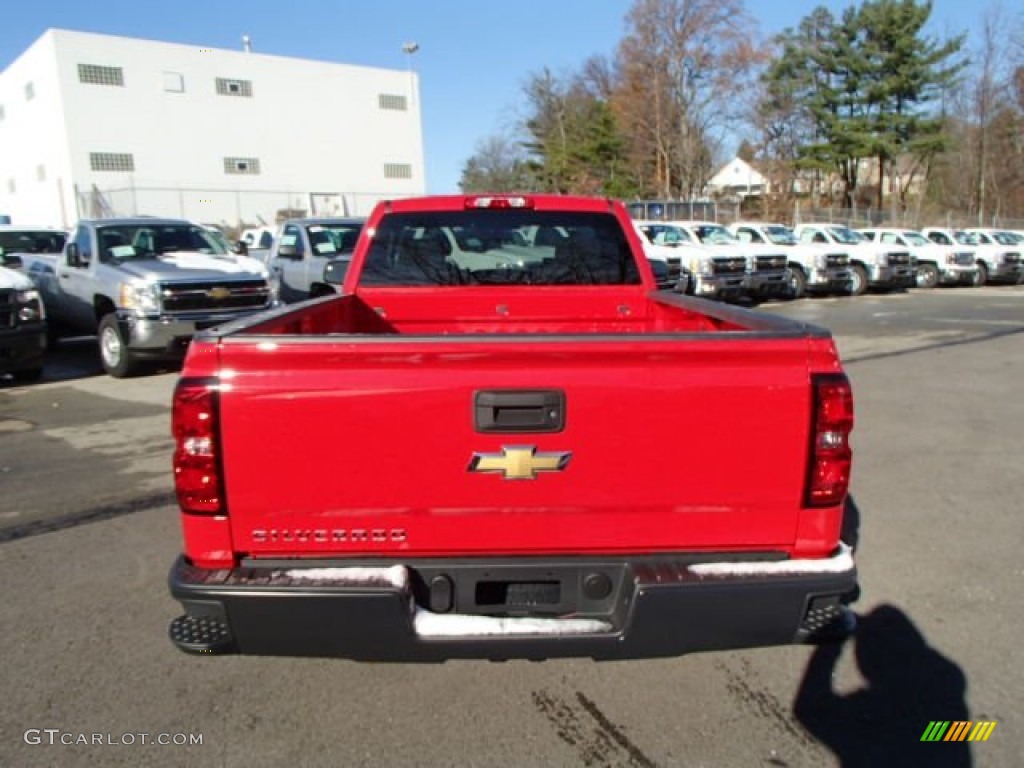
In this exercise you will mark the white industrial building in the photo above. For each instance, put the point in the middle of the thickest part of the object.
(96, 125)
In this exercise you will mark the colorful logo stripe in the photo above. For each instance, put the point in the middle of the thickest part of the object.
(958, 730)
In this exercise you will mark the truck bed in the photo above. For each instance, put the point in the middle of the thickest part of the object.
(363, 409)
(460, 311)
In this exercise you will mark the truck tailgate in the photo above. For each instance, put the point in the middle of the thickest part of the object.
(336, 447)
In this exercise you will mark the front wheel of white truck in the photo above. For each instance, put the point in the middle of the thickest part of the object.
(115, 356)
(858, 280)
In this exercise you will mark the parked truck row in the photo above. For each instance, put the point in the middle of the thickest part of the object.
(144, 286)
(826, 258)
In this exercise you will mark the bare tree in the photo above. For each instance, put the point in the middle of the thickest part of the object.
(684, 65)
(499, 164)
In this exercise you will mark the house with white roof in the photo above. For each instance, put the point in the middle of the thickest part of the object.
(738, 178)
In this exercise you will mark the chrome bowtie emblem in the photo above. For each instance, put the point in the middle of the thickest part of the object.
(520, 462)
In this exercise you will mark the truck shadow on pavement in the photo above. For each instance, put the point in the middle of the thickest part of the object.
(908, 684)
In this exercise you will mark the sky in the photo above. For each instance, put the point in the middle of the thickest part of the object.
(473, 60)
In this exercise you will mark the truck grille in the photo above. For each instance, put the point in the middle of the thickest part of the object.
(837, 260)
(729, 266)
(215, 296)
(8, 312)
(898, 258)
(770, 263)
(675, 267)
(964, 259)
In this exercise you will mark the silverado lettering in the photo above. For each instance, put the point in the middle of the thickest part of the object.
(502, 440)
(336, 535)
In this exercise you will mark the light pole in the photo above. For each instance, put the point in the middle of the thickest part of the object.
(409, 49)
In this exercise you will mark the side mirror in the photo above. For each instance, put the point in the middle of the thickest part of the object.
(74, 255)
(288, 252)
(241, 248)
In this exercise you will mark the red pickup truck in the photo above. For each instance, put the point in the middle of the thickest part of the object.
(502, 441)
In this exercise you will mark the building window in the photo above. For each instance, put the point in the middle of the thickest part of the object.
(112, 161)
(248, 165)
(397, 171)
(41, 172)
(391, 101)
(97, 75)
(227, 87)
(30, 91)
(174, 82)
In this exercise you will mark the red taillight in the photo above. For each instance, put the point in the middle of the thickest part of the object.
(514, 201)
(196, 460)
(830, 458)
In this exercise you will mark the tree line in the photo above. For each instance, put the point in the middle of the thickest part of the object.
(839, 108)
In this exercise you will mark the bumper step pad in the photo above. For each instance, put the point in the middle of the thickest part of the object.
(201, 634)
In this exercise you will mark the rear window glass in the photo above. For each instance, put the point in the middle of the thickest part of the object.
(27, 241)
(500, 247)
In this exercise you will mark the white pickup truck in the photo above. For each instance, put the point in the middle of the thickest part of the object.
(872, 265)
(938, 263)
(144, 286)
(310, 256)
(813, 267)
(999, 256)
(702, 271)
(767, 265)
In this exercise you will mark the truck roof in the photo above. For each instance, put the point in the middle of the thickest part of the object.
(459, 202)
(138, 221)
(29, 228)
(822, 224)
(326, 220)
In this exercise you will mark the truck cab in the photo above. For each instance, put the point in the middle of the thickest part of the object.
(310, 255)
(872, 265)
(813, 267)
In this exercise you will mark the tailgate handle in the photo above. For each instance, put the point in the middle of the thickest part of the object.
(520, 411)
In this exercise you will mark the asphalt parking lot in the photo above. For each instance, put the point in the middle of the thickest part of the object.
(88, 530)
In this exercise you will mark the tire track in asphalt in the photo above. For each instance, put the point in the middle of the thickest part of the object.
(583, 726)
(95, 515)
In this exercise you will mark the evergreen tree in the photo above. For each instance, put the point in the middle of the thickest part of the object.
(862, 87)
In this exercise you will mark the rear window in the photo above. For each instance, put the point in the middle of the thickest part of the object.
(28, 241)
(499, 247)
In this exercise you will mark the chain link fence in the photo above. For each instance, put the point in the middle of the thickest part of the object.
(798, 212)
(909, 219)
(228, 209)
